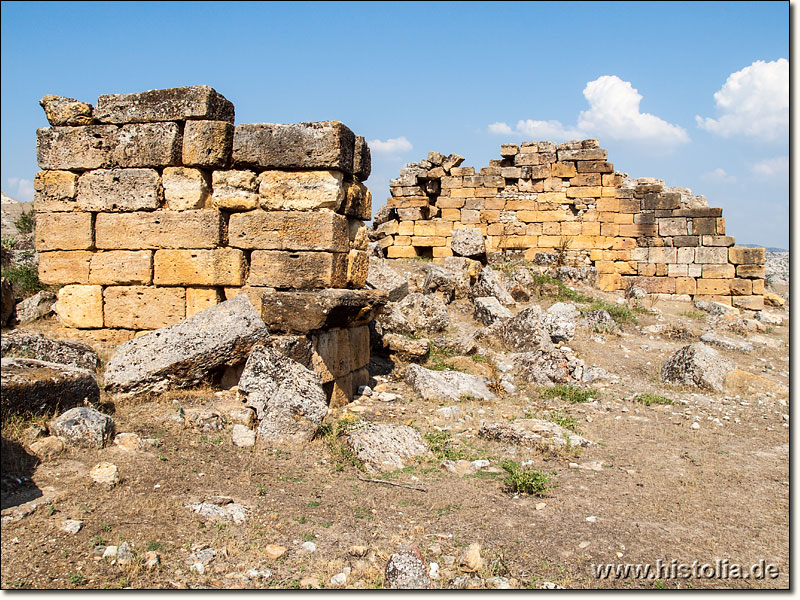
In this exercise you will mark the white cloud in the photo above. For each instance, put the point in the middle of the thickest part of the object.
(753, 102)
(613, 114)
(772, 167)
(22, 189)
(391, 146)
(718, 175)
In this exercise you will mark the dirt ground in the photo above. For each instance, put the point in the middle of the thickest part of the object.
(651, 488)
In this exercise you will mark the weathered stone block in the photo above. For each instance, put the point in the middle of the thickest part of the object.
(121, 267)
(686, 240)
(80, 306)
(362, 159)
(235, 190)
(594, 166)
(221, 266)
(207, 144)
(291, 230)
(672, 226)
(305, 311)
(59, 268)
(138, 307)
(332, 356)
(63, 231)
(148, 145)
(66, 111)
(200, 299)
(184, 188)
(159, 229)
(749, 302)
(357, 202)
(357, 268)
(717, 271)
(75, 148)
(711, 255)
(119, 190)
(661, 201)
(301, 190)
(357, 234)
(592, 154)
(54, 191)
(509, 150)
(739, 255)
(584, 192)
(173, 104)
(359, 346)
(750, 271)
(299, 270)
(400, 252)
(323, 145)
(741, 287)
(714, 286)
(718, 240)
(686, 285)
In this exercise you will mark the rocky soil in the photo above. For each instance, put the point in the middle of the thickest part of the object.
(518, 431)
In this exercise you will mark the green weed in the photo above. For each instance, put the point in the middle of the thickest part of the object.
(649, 399)
(25, 279)
(564, 420)
(524, 480)
(25, 222)
(569, 393)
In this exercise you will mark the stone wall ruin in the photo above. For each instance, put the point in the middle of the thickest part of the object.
(567, 199)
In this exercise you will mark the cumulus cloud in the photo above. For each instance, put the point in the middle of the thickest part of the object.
(753, 102)
(390, 146)
(613, 114)
(772, 167)
(718, 175)
(21, 189)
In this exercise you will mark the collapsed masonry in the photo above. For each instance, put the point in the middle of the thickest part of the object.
(152, 207)
(543, 198)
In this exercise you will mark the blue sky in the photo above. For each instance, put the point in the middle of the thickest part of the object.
(693, 93)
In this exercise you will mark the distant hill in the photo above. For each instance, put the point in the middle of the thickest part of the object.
(760, 246)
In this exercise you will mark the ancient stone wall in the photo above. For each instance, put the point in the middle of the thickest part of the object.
(151, 207)
(567, 199)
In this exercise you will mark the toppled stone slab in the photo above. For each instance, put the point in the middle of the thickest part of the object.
(526, 331)
(383, 277)
(489, 284)
(425, 313)
(698, 365)
(406, 570)
(183, 354)
(83, 427)
(173, 104)
(29, 344)
(488, 310)
(726, 342)
(447, 385)
(715, 308)
(288, 398)
(38, 386)
(535, 433)
(231, 512)
(386, 447)
(468, 242)
(309, 310)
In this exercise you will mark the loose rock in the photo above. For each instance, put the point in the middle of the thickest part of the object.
(406, 570)
(29, 344)
(697, 365)
(385, 447)
(446, 385)
(105, 474)
(84, 427)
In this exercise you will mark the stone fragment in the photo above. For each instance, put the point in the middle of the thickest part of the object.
(35, 307)
(184, 188)
(382, 447)
(129, 442)
(182, 355)
(444, 282)
(207, 143)
(80, 306)
(546, 367)
(362, 159)
(726, 342)
(301, 190)
(54, 191)
(121, 267)
(142, 307)
(304, 311)
(235, 190)
(405, 348)
(406, 570)
(298, 270)
(83, 427)
(229, 512)
(357, 201)
(159, 229)
(489, 284)
(715, 308)
(536, 433)
(242, 436)
(48, 447)
(221, 266)
(322, 145)
(488, 310)
(289, 230)
(524, 332)
(471, 559)
(148, 145)
(774, 300)
(174, 104)
(273, 551)
(106, 473)
(425, 313)
(559, 320)
(698, 365)
(63, 231)
(746, 384)
(452, 160)
(288, 398)
(118, 190)
(75, 148)
(392, 320)
(447, 385)
(383, 277)
(66, 111)
(468, 242)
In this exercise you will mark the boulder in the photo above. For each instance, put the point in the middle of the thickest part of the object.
(546, 367)
(29, 344)
(447, 385)
(288, 398)
(698, 365)
(488, 310)
(726, 342)
(462, 344)
(536, 433)
(37, 306)
(406, 570)
(48, 447)
(405, 348)
(384, 447)
(443, 282)
(383, 277)
(524, 332)
(37, 386)
(468, 242)
(489, 284)
(559, 320)
(425, 313)
(183, 354)
(84, 427)
(106, 473)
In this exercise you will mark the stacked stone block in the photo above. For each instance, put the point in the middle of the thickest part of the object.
(567, 198)
(154, 206)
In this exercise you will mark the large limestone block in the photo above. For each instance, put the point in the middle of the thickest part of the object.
(139, 307)
(699, 365)
(80, 306)
(447, 385)
(305, 311)
(583, 154)
(207, 143)
(118, 190)
(148, 145)
(76, 148)
(63, 231)
(121, 267)
(200, 299)
(184, 188)
(174, 104)
(221, 266)
(331, 357)
(288, 398)
(66, 111)
(362, 159)
(29, 344)
(54, 191)
(184, 354)
(357, 202)
(382, 447)
(36, 386)
(235, 190)
(298, 270)
(300, 190)
(159, 229)
(359, 346)
(357, 269)
(59, 267)
(290, 230)
(322, 145)
(739, 255)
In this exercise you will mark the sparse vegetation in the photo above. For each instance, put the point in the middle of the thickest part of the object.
(331, 433)
(562, 292)
(619, 312)
(694, 314)
(25, 279)
(524, 480)
(569, 393)
(437, 359)
(563, 420)
(444, 447)
(649, 399)
(25, 222)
